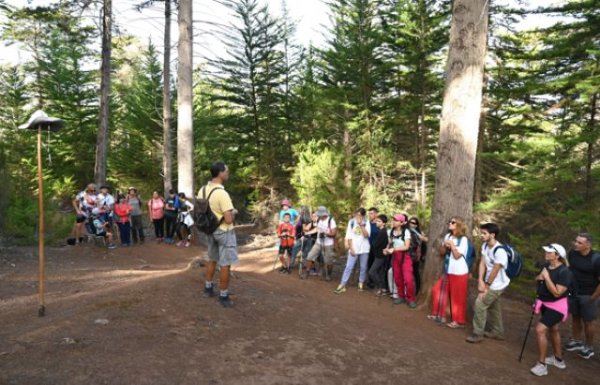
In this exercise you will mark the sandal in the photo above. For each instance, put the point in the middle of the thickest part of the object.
(455, 325)
(432, 317)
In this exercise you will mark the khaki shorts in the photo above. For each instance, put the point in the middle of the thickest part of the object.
(222, 247)
(327, 252)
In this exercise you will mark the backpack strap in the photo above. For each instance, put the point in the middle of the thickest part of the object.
(210, 193)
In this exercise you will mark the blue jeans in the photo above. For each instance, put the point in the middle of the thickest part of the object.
(125, 233)
(363, 260)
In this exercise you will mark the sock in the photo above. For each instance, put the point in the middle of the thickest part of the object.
(558, 359)
(224, 293)
(543, 363)
(208, 284)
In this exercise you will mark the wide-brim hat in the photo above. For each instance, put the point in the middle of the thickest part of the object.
(40, 118)
(556, 248)
(322, 211)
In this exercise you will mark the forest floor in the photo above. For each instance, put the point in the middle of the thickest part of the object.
(137, 316)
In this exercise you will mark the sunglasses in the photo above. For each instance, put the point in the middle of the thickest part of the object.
(413, 223)
(91, 190)
(452, 222)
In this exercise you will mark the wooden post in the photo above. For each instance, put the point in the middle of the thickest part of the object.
(42, 309)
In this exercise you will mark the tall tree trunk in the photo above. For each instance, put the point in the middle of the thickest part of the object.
(167, 149)
(185, 133)
(459, 126)
(478, 185)
(591, 140)
(102, 139)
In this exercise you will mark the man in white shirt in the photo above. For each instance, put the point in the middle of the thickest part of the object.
(491, 284)
(326, 231)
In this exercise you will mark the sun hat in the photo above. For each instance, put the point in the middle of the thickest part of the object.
(286, 202)
(399, 217)
(322, 211)
(556, 248)
(96, 211)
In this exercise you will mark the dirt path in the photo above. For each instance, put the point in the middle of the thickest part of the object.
(281, 331)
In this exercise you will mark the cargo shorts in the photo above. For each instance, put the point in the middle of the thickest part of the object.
(222, 247)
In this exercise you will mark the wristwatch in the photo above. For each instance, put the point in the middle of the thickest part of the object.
(487, 283)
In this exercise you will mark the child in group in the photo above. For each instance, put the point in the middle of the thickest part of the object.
(122, 210)
(286, 233)
(101, 227)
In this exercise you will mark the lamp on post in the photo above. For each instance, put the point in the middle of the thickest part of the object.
(40, 121)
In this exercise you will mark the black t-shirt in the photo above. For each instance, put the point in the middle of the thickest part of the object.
(559, 276)
(299, 229)
(380, 243)
(586, 277)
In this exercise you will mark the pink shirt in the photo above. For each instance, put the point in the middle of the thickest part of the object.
(156, 207)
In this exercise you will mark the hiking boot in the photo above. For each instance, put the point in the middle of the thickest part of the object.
(209, 292)
(573, 345)
(474, 339)
(398, 301)
(587, 352)
(412, 305)
(340, 289)
(112, 246)
(539, 369)
(282, 270)
(225, 301)
(493, 336)
(361, 286)
(552, 360)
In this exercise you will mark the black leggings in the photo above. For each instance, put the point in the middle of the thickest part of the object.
(159, 227)
(171, 224)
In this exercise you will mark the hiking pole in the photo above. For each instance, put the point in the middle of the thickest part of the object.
(526, 335)
(529, 326)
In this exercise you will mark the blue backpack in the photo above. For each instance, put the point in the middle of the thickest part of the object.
(515, 261)
(469, 258)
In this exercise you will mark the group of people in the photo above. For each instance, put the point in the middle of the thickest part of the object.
(97, 213)
(390, 259)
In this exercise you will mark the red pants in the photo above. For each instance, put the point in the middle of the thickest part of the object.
(454, 287)
(402, 267)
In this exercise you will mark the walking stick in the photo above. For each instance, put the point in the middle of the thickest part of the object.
(530, 322)
(526, 335)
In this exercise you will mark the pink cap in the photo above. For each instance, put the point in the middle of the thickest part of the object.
(399, 217)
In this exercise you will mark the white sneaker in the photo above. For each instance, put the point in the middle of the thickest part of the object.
(539, 369)
(553, 361)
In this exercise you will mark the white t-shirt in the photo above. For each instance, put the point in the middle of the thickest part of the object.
(322, 227)
(458, 266)
(398, 241)
(360, 243)
(87, 202)
(500, 257)
(105, 202)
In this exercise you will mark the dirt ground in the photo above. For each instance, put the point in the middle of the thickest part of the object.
(136, 316)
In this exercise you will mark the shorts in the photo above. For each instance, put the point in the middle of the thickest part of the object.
(80, 218)
(284, 249)
(222, 247)
(102, 234)
(582, 306)
(550, 317)
(318, 248)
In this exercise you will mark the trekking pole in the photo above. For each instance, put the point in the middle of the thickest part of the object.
(530, 322)
(526, 335)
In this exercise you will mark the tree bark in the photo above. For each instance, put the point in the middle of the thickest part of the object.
(458, 127)
(591, 139)
(185, 133)
(167, 149)
(103, 129)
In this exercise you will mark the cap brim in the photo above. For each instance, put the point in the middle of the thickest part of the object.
(549, 249)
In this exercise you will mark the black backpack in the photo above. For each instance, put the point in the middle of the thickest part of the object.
(205, 220)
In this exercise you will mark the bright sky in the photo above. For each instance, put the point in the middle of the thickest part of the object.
(311, 17)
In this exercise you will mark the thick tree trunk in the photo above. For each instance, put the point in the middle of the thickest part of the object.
(478, 185)
(102, 138)
(459, 126)
(167, 148)
(185, 133)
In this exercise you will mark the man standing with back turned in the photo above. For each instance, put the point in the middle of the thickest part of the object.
(583, 304)
(222, 244)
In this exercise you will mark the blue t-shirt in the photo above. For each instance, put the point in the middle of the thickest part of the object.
(293, 214)
(373, 235)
